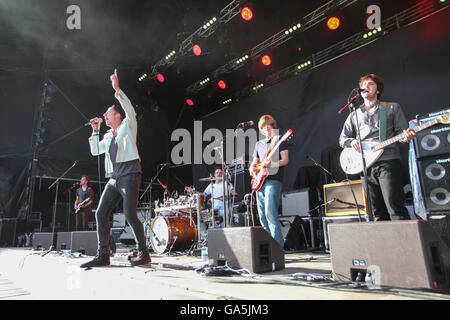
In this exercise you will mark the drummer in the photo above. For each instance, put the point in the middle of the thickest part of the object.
(216, 189)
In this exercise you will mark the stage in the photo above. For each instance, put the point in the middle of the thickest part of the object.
(27, 274)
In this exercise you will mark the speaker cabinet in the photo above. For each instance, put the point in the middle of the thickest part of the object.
(85, 241)
(434, 140)
(42, 240)
(434, 175)
(8, 232)
(405, 254)
(64, 241)
(339, 200)
(251, 248)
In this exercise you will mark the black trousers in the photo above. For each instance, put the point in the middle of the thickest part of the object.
(386, 191)
(82, 220)
(126, 188)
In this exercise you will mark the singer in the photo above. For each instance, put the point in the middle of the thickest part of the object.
(123, 167)
(379, 121)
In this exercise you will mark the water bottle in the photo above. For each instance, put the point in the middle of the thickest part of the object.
(205, 254)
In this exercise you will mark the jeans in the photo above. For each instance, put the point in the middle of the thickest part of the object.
(268, 200)
(82, 220)
(386, 191)
(126, 188)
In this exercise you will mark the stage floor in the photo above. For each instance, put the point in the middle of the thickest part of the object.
(26, 274)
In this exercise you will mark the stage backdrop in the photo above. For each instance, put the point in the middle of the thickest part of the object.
(413, 63)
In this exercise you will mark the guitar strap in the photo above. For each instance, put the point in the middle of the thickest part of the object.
(273, 143)
(382, 121)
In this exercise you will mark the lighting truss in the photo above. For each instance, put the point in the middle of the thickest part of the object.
(404, 18)
(275, 40)
(225, 15)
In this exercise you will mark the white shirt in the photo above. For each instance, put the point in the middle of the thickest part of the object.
(218, 192)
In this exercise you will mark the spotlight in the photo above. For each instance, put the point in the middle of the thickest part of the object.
(204, 81)
(197, 50)
(333, 23)
(222, 84)
(293, 28)
(246, 14)
(143, 77)
(189, 102)
(266, 60)
(160, 77)
(242, 59)
(255, 88)
(227, 101)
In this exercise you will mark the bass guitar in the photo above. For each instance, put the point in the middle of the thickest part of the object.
(79, 206)
(261, 173)
(351, 161)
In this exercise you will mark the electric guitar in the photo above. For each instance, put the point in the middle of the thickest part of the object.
(351, 161)
(261, 173)
(78, 206)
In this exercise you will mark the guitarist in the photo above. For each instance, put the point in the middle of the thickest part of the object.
(269, 195)
(379, 121)
(83, 202)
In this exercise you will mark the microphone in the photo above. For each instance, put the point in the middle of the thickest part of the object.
(362, 90)
(92, 122)
(245, 124)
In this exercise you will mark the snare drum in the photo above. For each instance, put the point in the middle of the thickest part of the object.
(172, 233)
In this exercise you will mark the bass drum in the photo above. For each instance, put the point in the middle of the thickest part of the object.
(172, 233)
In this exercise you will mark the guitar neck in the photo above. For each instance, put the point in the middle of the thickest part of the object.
(400, 136)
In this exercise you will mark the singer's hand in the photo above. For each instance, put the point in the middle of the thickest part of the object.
(115, 81)
(356, 146)
(95, 124)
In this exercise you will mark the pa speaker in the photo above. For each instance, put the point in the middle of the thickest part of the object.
(42, 240)
(251, 248)
(340, 199)
(404, 254)
(434, 140)
(85, 241)
(64, 241)
(434, 175)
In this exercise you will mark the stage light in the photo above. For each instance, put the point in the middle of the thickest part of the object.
(372, 33)
(304, 65)
(266, 60)
(293, 28)
(246, 14)
(333, 23)
(189, 102)
(160, 77)
(222, 84)
(227, 101)
(170, 55)
(258, 86)
(204, 81)
(242, 59)
(143, 77)
(197, 50)
(209, 23)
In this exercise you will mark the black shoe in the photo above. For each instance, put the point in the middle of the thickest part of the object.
(100, 260)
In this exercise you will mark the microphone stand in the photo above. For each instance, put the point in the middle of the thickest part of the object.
(354, 114)
(317, 164)
(53, 246)
(150, 186)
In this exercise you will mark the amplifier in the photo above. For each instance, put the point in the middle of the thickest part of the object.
(295, 202)
(339, 200)
(434, 140)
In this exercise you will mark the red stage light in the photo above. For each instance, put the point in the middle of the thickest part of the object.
(197, 50)
(333, 23)
(222, 84)
(246, 14)
(160, 77)
(266, 60)
(189, 102)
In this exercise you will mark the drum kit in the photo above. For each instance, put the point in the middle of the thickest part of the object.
(181, 222)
